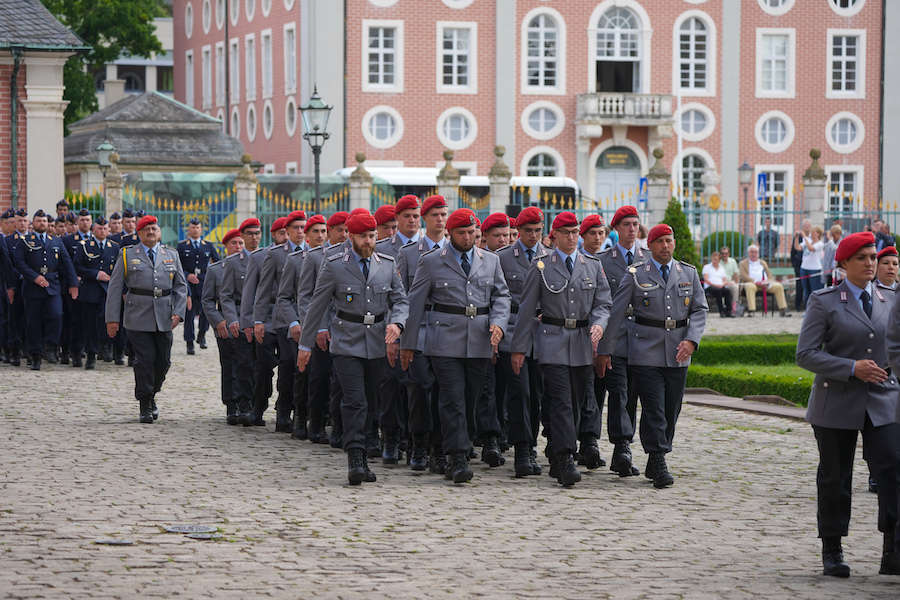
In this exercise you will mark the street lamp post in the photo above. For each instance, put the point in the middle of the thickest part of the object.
(745, 176)
(315, 123)
(104, 151)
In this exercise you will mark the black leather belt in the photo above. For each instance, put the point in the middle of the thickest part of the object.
(154, 293)
(667, 324)
(514, 308)
(366, 319)
(567, 323)
(469, 311)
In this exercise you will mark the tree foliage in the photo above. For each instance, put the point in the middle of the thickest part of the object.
(112, 28)
(684, 242)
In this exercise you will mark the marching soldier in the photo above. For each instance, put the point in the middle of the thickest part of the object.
(16, 327)
(115, 223)
(7, 292)
(45, 267)
(71, 343)
(386, 217)
(469, 311)
(128, 236)
(669, 309)
(230, 367)
(370, 312)
(154, 306)
(62, 209)
(195, 254)
(571, 289)
(94, 263)
(524, 389)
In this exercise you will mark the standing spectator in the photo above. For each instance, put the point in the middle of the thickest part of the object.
(714, 280)
(828, 251)
(731, 269)
(612, 238)
(641, 240)
(768, 241)
(811, 264)
(797, 261)
(883, 236)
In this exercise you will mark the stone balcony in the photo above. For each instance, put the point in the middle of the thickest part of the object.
(620, 110)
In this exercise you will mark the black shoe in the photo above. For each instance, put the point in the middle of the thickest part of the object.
(318, 437)
(373, 446)
(258, 421)
(873, 485)
(76, 361)
(356, 469)
(298, 432)
(890, 564)
(146, 414)
(190, 347)
(661, 476)
(231, 414)
(437, 464)
(201, 341)
(284, 424)
(833, 563)
(370, 476)
(459, 470)
(490, 453)
(590, 453)
(472, 455)
(36, 362)
(784, 313)
(15, 358)
(336, 439)
(63, 358)
(535, 467)
(390, 455)
(154, 411)
(621, 462)
(522, 461)
(419, 459)
(566, 473)
(130, 361)
(91, 362)
(107, 355)
(245, 418)
(118, 360)
(51, 358)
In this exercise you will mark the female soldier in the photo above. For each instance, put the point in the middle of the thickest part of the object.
(842, 341)
(886, 272)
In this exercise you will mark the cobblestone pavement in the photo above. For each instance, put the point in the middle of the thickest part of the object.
(77, 467)
(757, 324)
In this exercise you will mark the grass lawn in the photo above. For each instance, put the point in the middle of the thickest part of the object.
(780, 338)
(739, 380)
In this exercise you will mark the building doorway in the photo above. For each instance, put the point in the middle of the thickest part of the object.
(618, 176)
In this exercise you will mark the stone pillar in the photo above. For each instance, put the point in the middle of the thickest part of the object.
(815, 190)
(658, 194)
(112, 186)
(448, 182)
(245, 191)
(360, 185)
(499, 177)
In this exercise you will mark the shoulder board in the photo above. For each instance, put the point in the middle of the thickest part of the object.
(391, 258)
(385, 241)
(231, 256)
(257, 250)
(334, 257)
(605, 252)
(217, 264)
(49, 237)
(884, 287)
(589, 256)
(296, 252)
(823, 291)
(637, 263)
(182, 242)
(687, 264)
(427, 252)
(317, 249)
(112, 242)
(408, 244)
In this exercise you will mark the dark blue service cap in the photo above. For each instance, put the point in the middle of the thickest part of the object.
(115, 215)
(101, 220)
(127, 214)
(84, 212)
(62, 202)
(39, 213)
(70, 218)
(21, 213)
(194, 221)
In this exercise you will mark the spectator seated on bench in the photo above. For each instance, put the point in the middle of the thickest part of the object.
(756, 276)
(715, 281)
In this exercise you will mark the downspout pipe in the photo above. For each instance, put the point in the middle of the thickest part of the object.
(14, 130)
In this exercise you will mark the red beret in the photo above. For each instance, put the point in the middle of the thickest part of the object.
(513, 222)
(297, 215)
(528, 215)
(314, 220)
(232, 233)
(433, 202)
(658, 231)
(851, 244)
(887, 251)
(251, 222)
(338, 218)
(461, 217)
(565, 219)
(624, 211)
(407, 202)
(385, 214)
(590, 222)
(145, 220)
(497, 219)
(361, 223)
(360, 211)
(279, 223)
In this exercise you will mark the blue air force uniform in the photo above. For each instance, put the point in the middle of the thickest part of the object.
(91, 258)
(195, 256)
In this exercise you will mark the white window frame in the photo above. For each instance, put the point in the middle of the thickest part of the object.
(206, 15)
(788, 134)
(220, 115)
(860, 91)
(235, 11)
(250, 9)
(466, 141)
(266, 7)
(560, 88)
(858, 171)
(524, 120)
(860, 133)
(220, 14)
(472, 58)
(189, 69)
(847, 12)
(268, 131)
(397, 86)
(387, 163)
(398, 127)
(206, 67)
(236, 120)
(188, 20)
(711, 53)
(776, 12)
(458, 4)
(269, 168)
(234, 65)
(535, 150)
(788, 169)
(645, 31)
(250, 66)
(702, 134)
(791, 67)
(290, 168)
(251, 131)
(290, 60)
(220, 73)
(290, 107)
(267, 71)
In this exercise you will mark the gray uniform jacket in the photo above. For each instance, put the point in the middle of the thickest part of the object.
(248, 294)
(835, 334)
(515, 265)
(581, 296)
(390, 246)
(209, 298)
(440, 279)
(381, 297)
(288, 287)
(615, 268)
(407, 260)
(135, 271)
(682, 298)
(231, 292)
(264, 303)
(309, 273)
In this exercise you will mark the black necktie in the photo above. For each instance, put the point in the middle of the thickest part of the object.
(464, 263)
(152, 256)
(365, 268)
(866, 302)
(530, 254)
(664, 269)
(629, 258)
(570, 264)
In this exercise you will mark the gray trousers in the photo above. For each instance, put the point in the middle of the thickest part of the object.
(565, 388)
(661, 390)
(360, 379)
(619, 424)
(461, 381)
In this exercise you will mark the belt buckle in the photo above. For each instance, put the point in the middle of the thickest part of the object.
(197, 271)
(157, 293)
(368, 319)
(44, 270)
(670, 323)
(570, 323)
(471, 311)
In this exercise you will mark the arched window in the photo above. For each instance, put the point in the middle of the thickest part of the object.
(543, 51)
(692, 168)
(618, 51)
(541, 165)
(693, 54)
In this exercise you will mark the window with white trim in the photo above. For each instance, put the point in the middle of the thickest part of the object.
(774, 201)
(188, 20)
(290, 117)
(382, 56)
(382, 126)
(250, 9)
(847, 8)
(220, 73)
(234, 67)
(845, 132)
(235, 11)
(220, 13)
(541, 165)
(542, 52)
(266, 6)
(774, 131)
(268, 120)
(692, 168)
(542, 120)
(251, 122)
(266, 41)
(250, 66)
(206, 16)
(235, 122)
(618, 51)
(693, 39)
(776, 7)
(189, 78)
(775, 63)
(846, 63)
(290, 59)
(290, 168)
(457, 57)
(456, 128)
(842, 193)
(206, 74)
(693, 121)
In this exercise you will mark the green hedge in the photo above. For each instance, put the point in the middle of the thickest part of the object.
(741, 381)
(733, 239)
(750, 352)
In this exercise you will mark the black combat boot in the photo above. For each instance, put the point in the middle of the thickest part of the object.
(284, 423)
(390, 454)
(154, 410)
(356, 466)
(64, 357)
(621, 462)
(490, 453)
(833, 563)
(373, 443)
(201, 341)
(370, 476)
(589, 453)
(566, 473)
(419, 459)
(15, 358)
(51, 357)
(535, 467)
(35, 362)
(146, 414)
(657, 465)
(522, 462)
(118, 358)
(91, 362)
(437, 463)
(231, 414)
(190, 347)
(459, 470)
(890, 560)
(297, 427)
